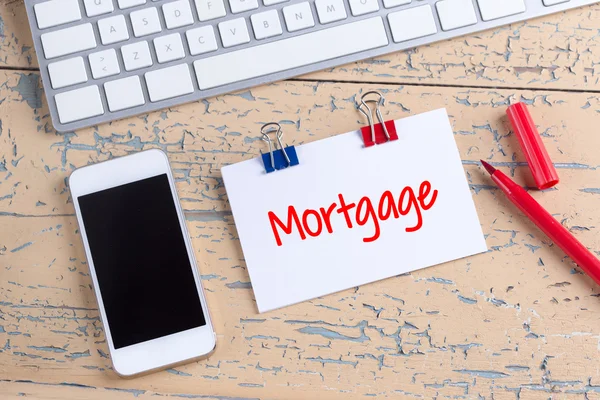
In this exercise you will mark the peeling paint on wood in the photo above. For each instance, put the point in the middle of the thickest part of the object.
(520, 321)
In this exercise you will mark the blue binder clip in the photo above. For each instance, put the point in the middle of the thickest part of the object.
(280, 158)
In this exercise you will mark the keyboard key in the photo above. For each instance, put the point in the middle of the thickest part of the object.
(266, 24)
(456, 14)
(201, 40)
(234, 32)
(178, 14)
(67, 72)
(145, 22)
(238, 6)
(317, 46)
(169, 82)
(113, 29)
(124, 93)
(395, 3)
(56, 12)
(412, 23)
(130, 3)
(104, 63)
(168, 48)
(494, 9)
(136, 56)
(553, 2)
(98, 7)
(68, 41)
(298, 16)
(361, 7)
(330, 10)
(272, 2)
(210, 9)
(79, 104)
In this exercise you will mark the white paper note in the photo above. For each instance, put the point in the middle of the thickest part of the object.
(301, 240)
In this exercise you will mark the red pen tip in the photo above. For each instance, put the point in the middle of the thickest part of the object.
(488, 167)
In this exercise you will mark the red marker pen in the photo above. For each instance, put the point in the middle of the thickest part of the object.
(547, 223)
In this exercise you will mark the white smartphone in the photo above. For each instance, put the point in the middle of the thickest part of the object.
(142, 264)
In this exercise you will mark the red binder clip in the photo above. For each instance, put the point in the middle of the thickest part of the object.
(376, 133)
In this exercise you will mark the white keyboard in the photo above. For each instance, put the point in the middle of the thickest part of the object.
(102, 60)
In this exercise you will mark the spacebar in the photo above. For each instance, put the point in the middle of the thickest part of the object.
(294, 52)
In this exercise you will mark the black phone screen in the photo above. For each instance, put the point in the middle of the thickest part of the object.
(141, 261)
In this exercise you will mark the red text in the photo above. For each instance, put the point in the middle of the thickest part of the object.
(314, 222)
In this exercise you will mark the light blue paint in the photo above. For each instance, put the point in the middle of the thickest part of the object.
(517, 368)
(209, 397)
(51, 349)
(79, 354)
(176, 372)
(64, 332)
(497, 302)
(330, 334)
(8, 196)
(465, 347)
(482, 373)
(573, 166)
(16, 162)
(77, 385)
(394, 298)
(252, 320)
(134, 392)
(564, 383)
(21, 247)
(245, 95)
(29, 89)
(275, 370)
(440, 280)
(327, 307)
(251, 139)
(377, 311)
(239, 285)
(408, 325)
(590, 190)
(22, 354)
(467, 300)
(209, 277)
(263, 337)
(532, 247)
(324, 361)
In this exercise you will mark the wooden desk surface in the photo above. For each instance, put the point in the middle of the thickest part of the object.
(518, 322)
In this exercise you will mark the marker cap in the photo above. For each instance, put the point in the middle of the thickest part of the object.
(541, 166)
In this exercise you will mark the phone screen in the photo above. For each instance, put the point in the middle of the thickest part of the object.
(141, 261)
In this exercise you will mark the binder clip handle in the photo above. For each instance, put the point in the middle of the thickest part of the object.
(268, 129)
(284, 157)
(366, 110)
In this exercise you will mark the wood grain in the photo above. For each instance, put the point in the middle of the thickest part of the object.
(518, 322)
